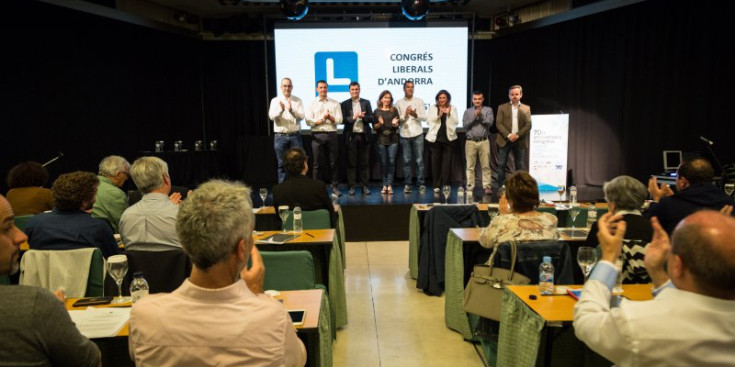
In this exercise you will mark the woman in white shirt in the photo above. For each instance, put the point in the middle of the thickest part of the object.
(442, 119)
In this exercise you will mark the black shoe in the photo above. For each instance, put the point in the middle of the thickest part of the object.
(336, 191)
(407, 189)
(352, 190)
(365, 190)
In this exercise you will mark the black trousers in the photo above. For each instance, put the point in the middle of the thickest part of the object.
(441, 160)
(325, 144)
(358, 154)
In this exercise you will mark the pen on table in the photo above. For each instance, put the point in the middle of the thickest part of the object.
(308, 234)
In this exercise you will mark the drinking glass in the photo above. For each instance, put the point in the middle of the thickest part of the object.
(446, 190)
(560, 189)
(618, 288)
(263, 195)
(586, 258)
(283, 213)
(117, 267)
(574, 212)
(729, 188)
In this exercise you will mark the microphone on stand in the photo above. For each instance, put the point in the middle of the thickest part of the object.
(710, 142)
(54, 159)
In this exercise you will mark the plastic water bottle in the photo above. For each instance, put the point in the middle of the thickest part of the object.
(591, 215)
(573, 194)
(546, 276)
(469, 194)
(297, 223)
(460, 195)
(139, 287)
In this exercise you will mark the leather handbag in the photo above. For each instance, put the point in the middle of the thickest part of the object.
(483, 295)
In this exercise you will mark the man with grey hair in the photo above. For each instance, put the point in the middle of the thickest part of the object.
(691, 319)
(244, 326)
(625, 196)
(111, 201)
(150, 224)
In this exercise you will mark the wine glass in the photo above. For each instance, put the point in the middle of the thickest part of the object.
(283, 213)
(586, 258)
(117, 267)
(560, 189)
(574, 212)
(263, 195)
(446, 190)
(729, 188)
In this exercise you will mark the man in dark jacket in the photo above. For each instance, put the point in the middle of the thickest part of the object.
(299, 190)
(695, 191)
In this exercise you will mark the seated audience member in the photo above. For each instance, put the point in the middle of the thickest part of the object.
(520, 222)
(26, 195)
(35, 327)
(150, 224)
(625, 196)
(111, 201)
(70, 226)
(690, 321)
(219, 315)
(695, 191)
(297, 189)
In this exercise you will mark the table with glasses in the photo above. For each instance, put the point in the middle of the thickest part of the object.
(526, 315)
(324, 247)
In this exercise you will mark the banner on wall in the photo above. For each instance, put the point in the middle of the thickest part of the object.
(548, 150)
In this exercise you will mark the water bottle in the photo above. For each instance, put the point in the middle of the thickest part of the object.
(591, 215)
(573, 194)
(470, 199)
(460, 195)
(546, 276)
(139, 287)
(297, 223)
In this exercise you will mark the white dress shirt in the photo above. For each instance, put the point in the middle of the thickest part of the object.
(411, 127)
(357, 125)
(152, 220)
(514, 118)
(317, 109)
(285, 121)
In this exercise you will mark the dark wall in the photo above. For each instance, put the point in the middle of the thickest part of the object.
(634, 82)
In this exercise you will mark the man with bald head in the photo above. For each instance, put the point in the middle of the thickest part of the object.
(691, 320)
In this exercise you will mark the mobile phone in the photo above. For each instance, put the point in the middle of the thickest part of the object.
(92, 301)
(297, 316)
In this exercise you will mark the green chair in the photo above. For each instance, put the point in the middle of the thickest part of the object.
(312, 219)
(56, 263)
(288, 270)
(4, 280)
(21, 220)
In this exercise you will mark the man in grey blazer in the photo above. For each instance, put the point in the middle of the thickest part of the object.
(514, 124)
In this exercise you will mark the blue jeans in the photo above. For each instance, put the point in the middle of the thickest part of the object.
(518, 158)
(413, 149)
(282, 143)
(387, 162)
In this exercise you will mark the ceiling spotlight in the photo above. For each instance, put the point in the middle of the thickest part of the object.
(513, 19)
(415, 9)
(294, 9)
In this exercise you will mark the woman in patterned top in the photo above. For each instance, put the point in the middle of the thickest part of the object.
(518, 220)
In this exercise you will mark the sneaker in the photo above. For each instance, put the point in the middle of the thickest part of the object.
(436, 190)
(422, 188)
(365, 190)
(390, 189)
(352, 191)
(384, 190)
(407, 189)
(335, 190)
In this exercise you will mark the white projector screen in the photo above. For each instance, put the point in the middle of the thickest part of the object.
(377, 56)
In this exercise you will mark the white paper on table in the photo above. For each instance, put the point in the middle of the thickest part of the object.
(100, 322)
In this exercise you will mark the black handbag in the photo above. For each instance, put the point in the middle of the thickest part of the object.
(483, 295)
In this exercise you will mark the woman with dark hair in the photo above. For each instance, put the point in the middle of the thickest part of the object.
(443, 120)
(385, 123)
(518, 220)
(26, 195)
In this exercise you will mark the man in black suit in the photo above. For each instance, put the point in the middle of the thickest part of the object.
(299, 190)
(357, 115)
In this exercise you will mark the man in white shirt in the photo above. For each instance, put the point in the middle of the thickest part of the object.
(150, 224)
(514, 125)
(323, 115)
(412, 113)
(286, 111)
(219, 315)
(691, 320)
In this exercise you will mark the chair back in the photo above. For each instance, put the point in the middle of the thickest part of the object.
(21, 220)
(530, 256)
(163, 270)
(288, 270)
(311, 219)
(79, 271)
